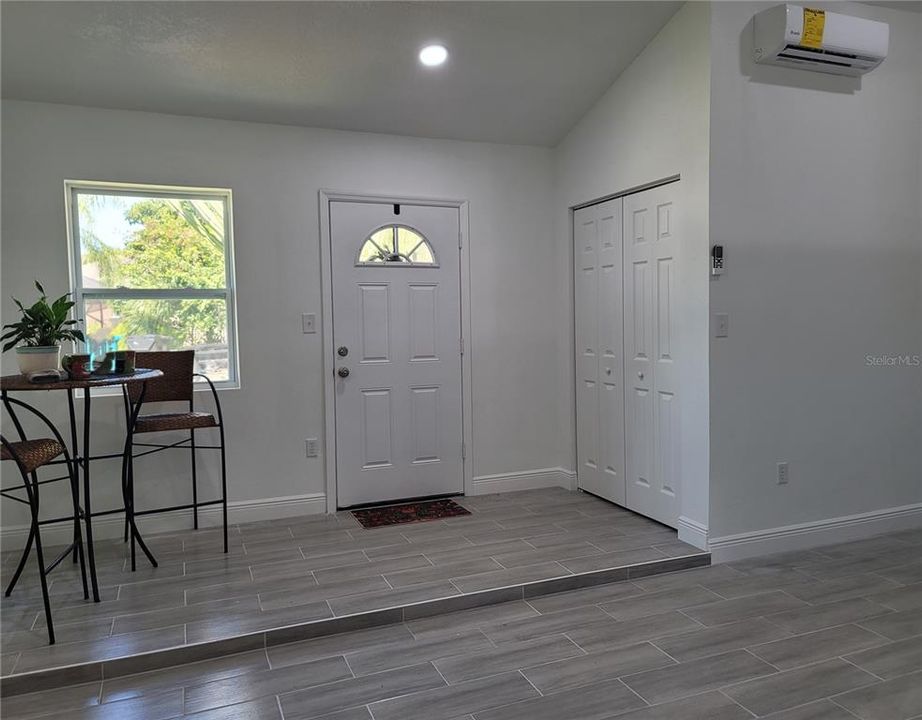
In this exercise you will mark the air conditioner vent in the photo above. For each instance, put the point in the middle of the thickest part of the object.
(798, 58)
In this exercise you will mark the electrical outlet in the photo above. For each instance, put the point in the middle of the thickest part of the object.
(783, 473)
(312, 446)
(308, 323)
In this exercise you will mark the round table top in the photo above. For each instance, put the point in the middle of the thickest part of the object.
(21, 382)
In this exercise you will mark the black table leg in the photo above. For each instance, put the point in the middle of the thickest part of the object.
(83, 461)
(75, 495)
(128, 484)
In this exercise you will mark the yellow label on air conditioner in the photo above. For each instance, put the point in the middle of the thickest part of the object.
(814, 24)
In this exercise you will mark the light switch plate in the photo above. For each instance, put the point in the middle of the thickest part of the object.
(721, 325)
(308, 323)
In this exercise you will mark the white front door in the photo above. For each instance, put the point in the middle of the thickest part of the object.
(599, 350)
(397, 345)
(651, 237)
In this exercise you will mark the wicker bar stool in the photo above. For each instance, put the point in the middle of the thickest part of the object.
(30, 456)
(176, 385)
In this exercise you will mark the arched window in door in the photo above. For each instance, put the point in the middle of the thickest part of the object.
(397, 246)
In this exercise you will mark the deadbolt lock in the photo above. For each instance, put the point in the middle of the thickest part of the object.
(342, 351)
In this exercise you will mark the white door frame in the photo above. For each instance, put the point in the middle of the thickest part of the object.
(329, 357)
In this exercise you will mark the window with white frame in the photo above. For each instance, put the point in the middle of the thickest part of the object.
(152, 269)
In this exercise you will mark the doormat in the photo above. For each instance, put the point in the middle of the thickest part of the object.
(408, 513)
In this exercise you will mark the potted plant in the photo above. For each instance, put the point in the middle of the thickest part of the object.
(38, 334)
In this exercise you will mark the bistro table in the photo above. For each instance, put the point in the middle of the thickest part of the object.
(19, 383)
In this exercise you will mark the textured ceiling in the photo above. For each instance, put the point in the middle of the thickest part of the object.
(519, 72)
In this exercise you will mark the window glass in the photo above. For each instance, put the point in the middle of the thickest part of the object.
(396, 245)
(153, 271)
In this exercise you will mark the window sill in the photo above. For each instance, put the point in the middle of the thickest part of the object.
(116, 390)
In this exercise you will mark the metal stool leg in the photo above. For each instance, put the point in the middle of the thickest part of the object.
(78, 533)
(39, 555)
(194, 482)
(224, 487)
(22, 561)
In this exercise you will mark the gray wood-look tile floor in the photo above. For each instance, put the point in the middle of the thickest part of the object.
(298, 570)
(829, 634)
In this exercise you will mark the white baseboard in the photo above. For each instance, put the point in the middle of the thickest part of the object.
(241, 511)
(693, 533)
(814, 534)
(525, 480)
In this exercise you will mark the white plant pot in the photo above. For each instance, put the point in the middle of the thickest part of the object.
(33, 359)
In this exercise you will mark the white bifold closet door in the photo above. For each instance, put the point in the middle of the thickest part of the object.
(599, 350)
(650, 378)
(626, 383)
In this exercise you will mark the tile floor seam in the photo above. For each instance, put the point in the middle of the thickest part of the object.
(768, 619)
(278, 703)
(524, 600)
(735, 702)
(832, 698)
(759, 659)
(520, 672)
(266, 653)
(646, 702)
(434, 667)
(683, 614)
(348, 664)
(855, 665)
(677, 662)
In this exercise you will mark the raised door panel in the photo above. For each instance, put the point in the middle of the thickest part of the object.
(377, 422)
(424, 416)
(666, 464)
(640, 438)
(374, 322)
(423, 322)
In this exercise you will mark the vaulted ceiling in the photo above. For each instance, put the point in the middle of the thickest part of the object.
(518, 72)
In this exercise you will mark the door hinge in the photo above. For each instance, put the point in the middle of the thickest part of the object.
(460, 238)
(461, 344)
(463, 451)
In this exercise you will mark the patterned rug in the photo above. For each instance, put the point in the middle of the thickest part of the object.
(409, 512)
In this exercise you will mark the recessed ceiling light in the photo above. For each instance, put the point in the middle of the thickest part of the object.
(433, 55)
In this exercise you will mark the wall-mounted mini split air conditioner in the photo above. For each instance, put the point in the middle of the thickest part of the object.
(818, 40)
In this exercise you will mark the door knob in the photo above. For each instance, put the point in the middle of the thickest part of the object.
(608, 371)
(342, 351)
(343, 372)
(640, 375)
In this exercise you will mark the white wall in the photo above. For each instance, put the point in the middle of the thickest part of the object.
(652, 124)
(275, 173)
(815, 192)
